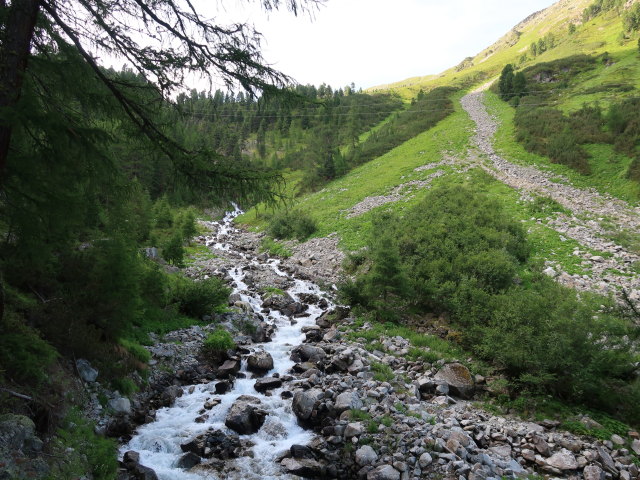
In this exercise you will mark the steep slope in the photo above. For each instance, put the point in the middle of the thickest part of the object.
(597, 35)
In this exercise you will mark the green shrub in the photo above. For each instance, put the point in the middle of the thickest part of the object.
(24, 355)
(81, 451)
(124, 385)
(382, 372)
(199, 298)
(292, 224)
(216, 345)
(136, 350)
(188, 227)
(162, 213)
(173, 251)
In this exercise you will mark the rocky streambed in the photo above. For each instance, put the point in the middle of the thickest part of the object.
(299, 398)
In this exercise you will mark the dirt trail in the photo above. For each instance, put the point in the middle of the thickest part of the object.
(589, 208)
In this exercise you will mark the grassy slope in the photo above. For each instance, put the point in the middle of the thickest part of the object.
(379, 177)
(595, 37)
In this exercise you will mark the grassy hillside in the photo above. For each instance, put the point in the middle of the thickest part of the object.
(377, 208)
(598, 35)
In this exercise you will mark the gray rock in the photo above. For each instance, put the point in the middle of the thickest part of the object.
(458, 378)
(86, 371)
(170, 394)
(260, 362)
(353, 430)
(348, 401)
(305, 401)
(617, 439)
(383, 472)
(303, 467)
(606, 460)
(228, 368)
(593, 472)
(366, 455)
(245, 416)
(563, 460)
(307, 353)
(635, 446)
(120, 405)
(188, 460)
(268, 383)
(425, 460)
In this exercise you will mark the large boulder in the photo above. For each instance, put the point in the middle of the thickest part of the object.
(304, 467)
(307, 353)
(245, 415)
(20, 449)
(458, 378)
(228, 368)
(169, 395)
(260, 362)
(268, 383)
(284, 303)
(304, 403)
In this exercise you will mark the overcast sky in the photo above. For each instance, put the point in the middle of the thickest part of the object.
(371, 42)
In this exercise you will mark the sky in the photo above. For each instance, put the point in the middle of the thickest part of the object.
(373, 42)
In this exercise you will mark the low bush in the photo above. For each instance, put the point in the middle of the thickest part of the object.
(199, 298)
(292, 224)
(24, 355)
(216, 345)
(459, 254)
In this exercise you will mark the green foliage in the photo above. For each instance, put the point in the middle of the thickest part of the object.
(598, 7)
(138, 351)
(545, 206)
(216, 344)
(274, 248)
(382, 372)
(424, 113)
(510, 85)
(187, 224)
(462, 253)
(199, 298)
(24, 355)
(290, 224)
(162, 213)
(631, 18)
(124, 385)
(359, 415)
(82, 451)
(173, 250)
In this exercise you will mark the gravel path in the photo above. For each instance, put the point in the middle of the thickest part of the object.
(589, 208)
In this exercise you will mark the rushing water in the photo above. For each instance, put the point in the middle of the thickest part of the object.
(159, 442)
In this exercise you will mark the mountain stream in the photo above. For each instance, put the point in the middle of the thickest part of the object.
(159, 442)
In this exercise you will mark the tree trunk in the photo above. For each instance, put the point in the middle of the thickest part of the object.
(14, 52)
